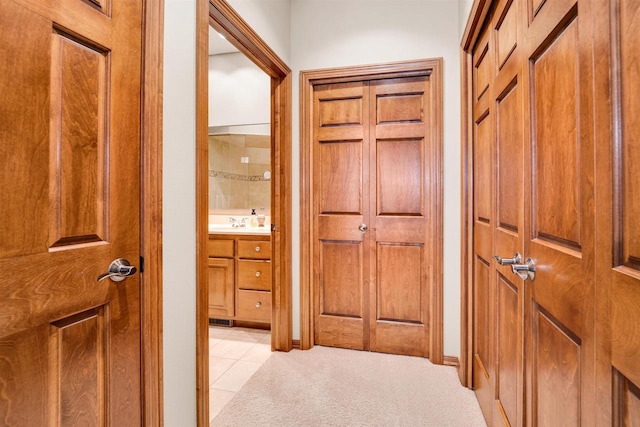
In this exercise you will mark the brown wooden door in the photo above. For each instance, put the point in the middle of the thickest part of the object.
(534, 343)
(69, 205)
(373, 202)
(618, 260)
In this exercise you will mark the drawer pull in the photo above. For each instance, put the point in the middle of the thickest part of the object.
(257, 248)
(258, 304)
(257, 274)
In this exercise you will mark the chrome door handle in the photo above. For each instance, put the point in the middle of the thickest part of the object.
(119, 270)
(517, 259)
(363, 227)
(526, 270)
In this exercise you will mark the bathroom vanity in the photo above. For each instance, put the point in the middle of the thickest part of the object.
(239, 274)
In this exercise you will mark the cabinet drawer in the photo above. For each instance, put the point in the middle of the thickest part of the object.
(254, 249)
(254, 306)
(254, 275)
(218, 248)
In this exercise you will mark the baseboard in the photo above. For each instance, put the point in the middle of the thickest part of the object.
(451, 361)
(295, 344)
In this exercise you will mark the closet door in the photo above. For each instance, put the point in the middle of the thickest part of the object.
(559, 212)
(400, 153)
(374, 204)
(619, 262)
(483, 219)
(341, 206)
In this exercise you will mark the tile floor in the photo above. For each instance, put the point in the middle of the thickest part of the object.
(235, 354)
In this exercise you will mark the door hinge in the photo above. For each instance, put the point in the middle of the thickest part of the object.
(141, 264)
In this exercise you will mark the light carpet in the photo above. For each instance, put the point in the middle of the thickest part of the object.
(334, 387)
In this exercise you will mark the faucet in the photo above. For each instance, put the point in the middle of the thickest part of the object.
(234, 222)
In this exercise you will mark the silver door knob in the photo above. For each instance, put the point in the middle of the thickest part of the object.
(257, 274)
(258, 304)
(119, 270)
(363, 227)
(508, 261)
(257, 248)
(526, 270)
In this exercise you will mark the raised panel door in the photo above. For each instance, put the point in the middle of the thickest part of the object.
(221, 282)
(70, 205)
(560, 215)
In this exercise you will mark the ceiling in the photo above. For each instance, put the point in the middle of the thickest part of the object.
(218, 44)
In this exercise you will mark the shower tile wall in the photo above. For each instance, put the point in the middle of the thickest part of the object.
(244, 186)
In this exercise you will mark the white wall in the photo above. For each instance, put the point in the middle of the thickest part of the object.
(178, 223)
(179, 240)
(352, 32)
(239, 91)
(271, 20)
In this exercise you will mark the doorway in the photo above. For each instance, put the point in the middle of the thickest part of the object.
(372, 251)
(219, 15)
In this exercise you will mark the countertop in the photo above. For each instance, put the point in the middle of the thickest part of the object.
(227, 229)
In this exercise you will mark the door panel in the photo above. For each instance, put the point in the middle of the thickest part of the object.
(220, 276)
(509, 344)
(400, 149)
(340, 294)
(69, 203)
(560, 236)
(483, 291)
(624, 263)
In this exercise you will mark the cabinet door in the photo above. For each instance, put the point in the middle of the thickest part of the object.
(221, 287)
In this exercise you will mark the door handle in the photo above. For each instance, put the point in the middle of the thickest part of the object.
(119, 270)
(517, 259)
(363, 227)
(526, 270)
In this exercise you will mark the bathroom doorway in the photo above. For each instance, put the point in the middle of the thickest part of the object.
(235, 253)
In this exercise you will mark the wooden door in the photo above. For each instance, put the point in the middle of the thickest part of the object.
(618, 261)
(403, 201)
(533, 172)
(221, 280)
(375, 199)
(69, 205)
(341, 176)
(559, 212)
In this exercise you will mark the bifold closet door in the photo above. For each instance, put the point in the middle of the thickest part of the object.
(372, 153)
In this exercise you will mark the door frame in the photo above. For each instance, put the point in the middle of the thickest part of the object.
(151, 214)
(310, 78)
(476, 18)
(224, 19)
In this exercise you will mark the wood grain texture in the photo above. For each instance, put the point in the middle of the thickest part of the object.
(219, 247)
(22, 77)
(400, 177)
(221, 281)
(79, 345)
(340, 167)
(202, 210)
(506, 37)
(556, 359)
(151, 207)
(509, 353)
(483, 170)
(44, 286)
(556, 98)
(254, 275)
(254, 306)
(399, 274)
(311, 80)
(254, 249)
(79, 121)
(341, 275)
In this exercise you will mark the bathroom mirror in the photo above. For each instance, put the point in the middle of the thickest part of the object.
(239, 168)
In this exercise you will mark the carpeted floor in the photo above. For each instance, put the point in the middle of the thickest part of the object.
(335, 387)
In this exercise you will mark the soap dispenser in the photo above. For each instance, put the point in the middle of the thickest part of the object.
(254, 218)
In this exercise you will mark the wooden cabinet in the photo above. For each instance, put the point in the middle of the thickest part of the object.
(240, 277)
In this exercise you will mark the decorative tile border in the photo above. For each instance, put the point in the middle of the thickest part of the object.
(236, 176)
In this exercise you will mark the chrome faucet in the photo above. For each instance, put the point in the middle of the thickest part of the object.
(234, 222)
